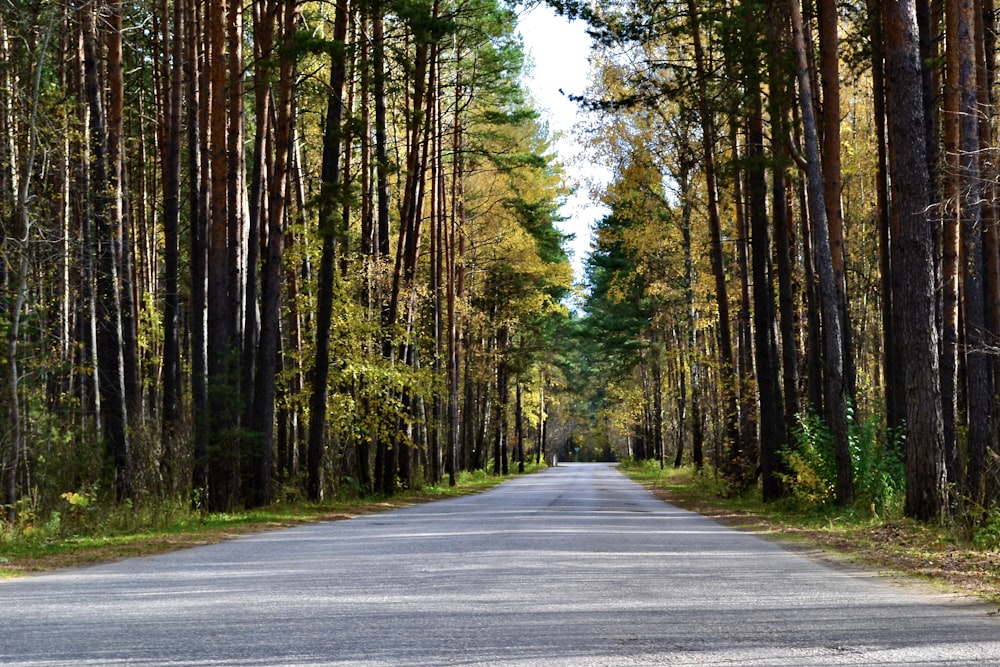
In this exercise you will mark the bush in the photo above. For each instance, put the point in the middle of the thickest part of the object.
(987, 535)
(876, 462)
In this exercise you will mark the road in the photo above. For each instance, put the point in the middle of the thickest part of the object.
(575, 566)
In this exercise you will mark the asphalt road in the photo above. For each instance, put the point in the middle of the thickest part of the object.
(574, 566)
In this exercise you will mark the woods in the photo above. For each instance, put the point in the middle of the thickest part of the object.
(840, 219)
(281, 250)
(267, 251)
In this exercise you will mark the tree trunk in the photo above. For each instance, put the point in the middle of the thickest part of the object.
(171, 166)
(727, 370)
(221, 383)
(978, 387)
(772, 414)
(986, 53)
(329, 197)
(519, 427)
(829, 135)
(778, 103)
(657, 389)
(925, 466)
(835, 392)
(540, 453)
(123, 242)
(951, 213)
(198, 94)
(109, 341)
(895, 407)
(270, 316)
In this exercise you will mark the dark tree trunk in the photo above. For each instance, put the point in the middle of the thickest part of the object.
(123, 238)
(329, 198)
(728, 377)
(925, 466)
(895, 407)
(978, 386)
(772, 414)
(198, 96)
(262, 419)
(223, 453)
(171, 394)
(114, 414)
(519, 427)
(781, 214)
(835, 389)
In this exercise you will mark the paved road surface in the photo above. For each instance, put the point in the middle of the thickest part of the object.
(572, 567)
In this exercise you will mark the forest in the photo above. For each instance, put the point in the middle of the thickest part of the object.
(279, 250)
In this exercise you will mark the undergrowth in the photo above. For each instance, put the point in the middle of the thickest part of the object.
(879, 474)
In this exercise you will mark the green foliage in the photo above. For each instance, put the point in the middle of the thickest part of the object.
(987, 535)
(879, 472)
(812, 469)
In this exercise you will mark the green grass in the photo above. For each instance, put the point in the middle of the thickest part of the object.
(80, 536)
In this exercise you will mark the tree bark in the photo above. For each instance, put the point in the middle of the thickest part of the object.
(836, 396)
(978, 386)
(951, 213)
(270, 316)
(772, 414)
(198, 94)
(171, 175)
(778, 104)
(123, 241)
(329, 197)
(925, 466)
(109, 327)
(728, 379)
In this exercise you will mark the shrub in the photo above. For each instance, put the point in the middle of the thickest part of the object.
(987, 534)
(876, 463)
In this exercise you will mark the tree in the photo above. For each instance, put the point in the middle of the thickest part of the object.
(331, 182)
(914, 258)
(835, 383)
(262, 416)
(109, 326)
(171, 176)
(978, 387)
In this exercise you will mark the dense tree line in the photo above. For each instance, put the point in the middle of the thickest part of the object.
(803, 224)
(284, 249)
(270, 249)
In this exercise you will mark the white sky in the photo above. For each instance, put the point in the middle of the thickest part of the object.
(559, 51)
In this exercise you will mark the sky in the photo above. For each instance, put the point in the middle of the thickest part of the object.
(558, 50)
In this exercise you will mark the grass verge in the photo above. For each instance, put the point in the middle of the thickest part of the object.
(123, 532)
(938, 554)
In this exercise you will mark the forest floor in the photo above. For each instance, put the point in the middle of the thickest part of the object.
(941, 555)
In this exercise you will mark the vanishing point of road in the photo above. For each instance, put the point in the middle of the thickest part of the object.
(572, 567)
